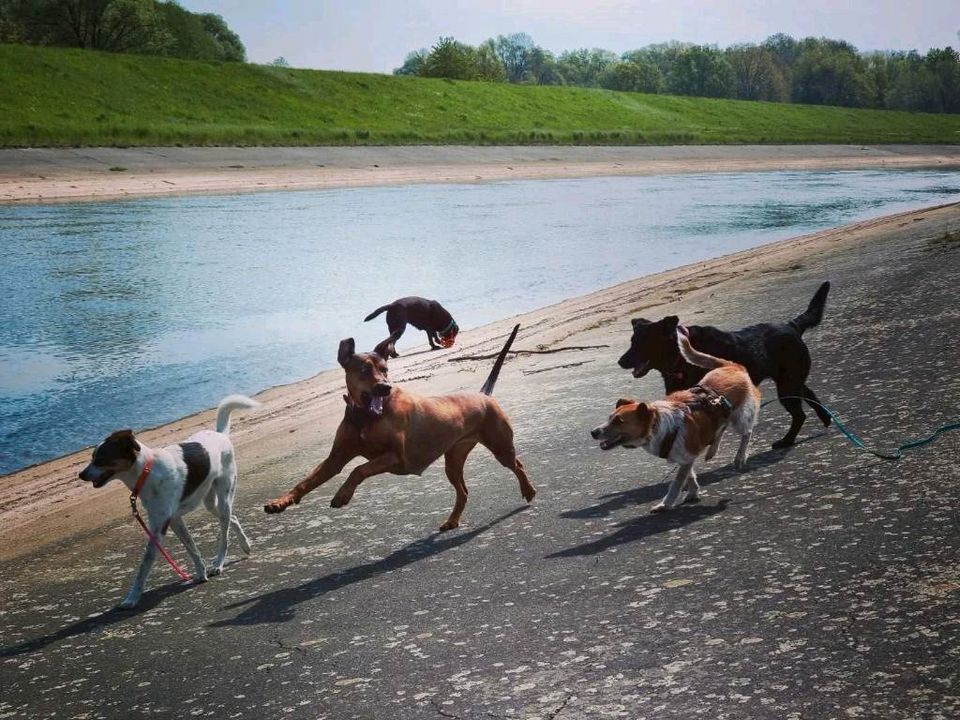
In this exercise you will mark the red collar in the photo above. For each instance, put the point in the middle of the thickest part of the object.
(141, 481)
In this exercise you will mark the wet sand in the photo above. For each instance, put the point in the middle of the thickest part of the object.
(81, 174)
(292, 431)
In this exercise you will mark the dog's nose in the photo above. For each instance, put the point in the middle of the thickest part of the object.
(83, 475)
(381, 389)
(595, 433)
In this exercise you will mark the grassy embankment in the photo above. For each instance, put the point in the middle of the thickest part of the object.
(58, 97)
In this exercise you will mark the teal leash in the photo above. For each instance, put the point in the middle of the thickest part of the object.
(855, 439)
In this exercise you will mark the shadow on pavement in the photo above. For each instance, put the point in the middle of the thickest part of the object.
(644, 526)
(613, 502)
(148, 601)
(280, 605)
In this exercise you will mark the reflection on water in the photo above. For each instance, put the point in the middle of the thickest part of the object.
(129, 314)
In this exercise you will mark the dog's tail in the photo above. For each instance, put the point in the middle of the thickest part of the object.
(695, 357)
(812, 316)
(227, 406)
(487, 388)
(382, 308)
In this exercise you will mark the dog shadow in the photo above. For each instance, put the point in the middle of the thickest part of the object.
(280, 605)
(644, 526)
(148, 601)
(612, 502)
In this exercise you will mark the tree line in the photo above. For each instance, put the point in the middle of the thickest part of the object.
(130, 26)
(816, 71)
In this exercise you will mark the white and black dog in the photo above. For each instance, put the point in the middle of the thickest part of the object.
(177, 478)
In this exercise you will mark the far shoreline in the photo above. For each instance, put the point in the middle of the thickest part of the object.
(58, 175)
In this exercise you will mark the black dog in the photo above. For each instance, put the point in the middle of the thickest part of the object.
(768, 350)
(427, 315)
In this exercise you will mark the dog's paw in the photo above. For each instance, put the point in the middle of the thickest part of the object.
(661, 508)
(691, 500)
(341, 499)
(211, 572)
(278, 505)
(529, 493)
(127, 603)
(782, 443)
(450, 525)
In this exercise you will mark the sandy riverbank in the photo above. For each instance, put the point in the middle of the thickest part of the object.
(64, 174)
(293, 429)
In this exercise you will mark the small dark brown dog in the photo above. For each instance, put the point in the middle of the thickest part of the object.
(403, 433)
(427, 315)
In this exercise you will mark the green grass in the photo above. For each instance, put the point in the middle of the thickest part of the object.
(60, 97)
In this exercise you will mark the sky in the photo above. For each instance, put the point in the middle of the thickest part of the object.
(376, 35)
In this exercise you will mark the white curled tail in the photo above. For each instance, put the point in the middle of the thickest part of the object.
(695, 357)
(227, 406)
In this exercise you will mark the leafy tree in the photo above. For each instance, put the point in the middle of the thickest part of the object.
(414, 62)
(141, 26)
(584, 67)
(450, 59)
(633, 76)
(543, 68)
(514, 52)
(487, 64)
(945, 66)
(701, 71)
(229, 46)
(829, 74)
(757, 73)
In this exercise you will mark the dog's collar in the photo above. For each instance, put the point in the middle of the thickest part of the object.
(449, 327)
(144, 474)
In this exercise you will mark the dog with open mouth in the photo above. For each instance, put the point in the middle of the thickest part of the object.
(402, 433)
(687, 422)
(174, 480)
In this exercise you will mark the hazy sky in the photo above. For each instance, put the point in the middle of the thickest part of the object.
(375, 36)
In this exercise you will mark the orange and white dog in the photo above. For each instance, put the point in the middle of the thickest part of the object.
(687, 422)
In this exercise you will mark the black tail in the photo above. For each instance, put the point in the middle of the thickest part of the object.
(487, 388)
(376, 312)
(812, 316)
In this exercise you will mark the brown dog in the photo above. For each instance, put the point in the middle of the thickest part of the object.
(687, 422)
(403, 433)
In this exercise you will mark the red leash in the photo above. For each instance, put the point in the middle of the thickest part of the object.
(141, 481)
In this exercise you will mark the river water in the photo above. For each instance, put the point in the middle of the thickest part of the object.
(134, 313)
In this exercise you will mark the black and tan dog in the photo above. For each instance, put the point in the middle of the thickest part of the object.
(427, 315)
(767, 350)
(402, 433)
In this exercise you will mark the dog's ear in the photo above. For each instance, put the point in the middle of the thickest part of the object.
(624, 401)
(346, 351)
(637, 322)
(642, 409)
(670, 324)
(127, 439)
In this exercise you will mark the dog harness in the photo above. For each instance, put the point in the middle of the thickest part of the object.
(141, 481)
(704, 399)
